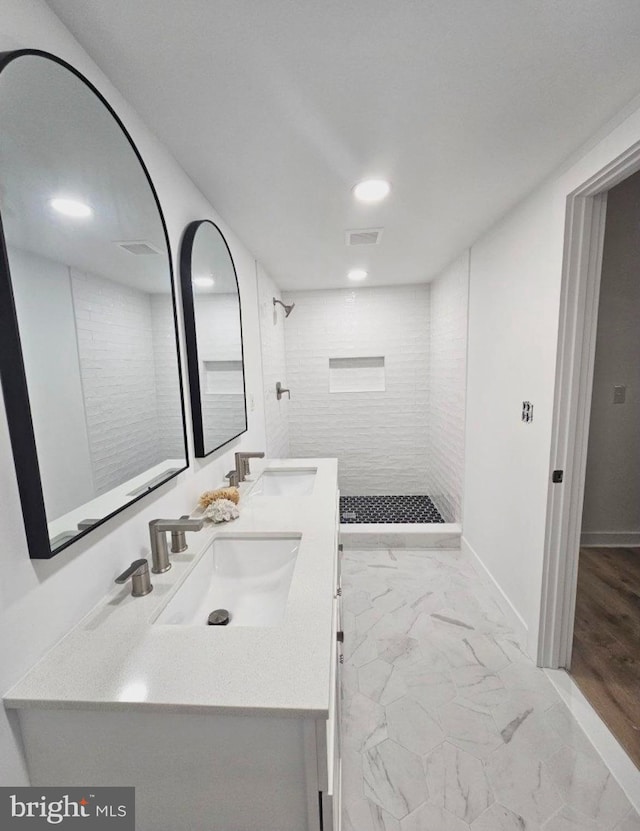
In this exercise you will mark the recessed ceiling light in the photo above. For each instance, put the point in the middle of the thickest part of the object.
(357, 274)
(203, 282)
(71, 207)
(372, 190)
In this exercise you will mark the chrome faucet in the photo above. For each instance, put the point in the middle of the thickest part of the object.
(242, 464)
(138, 571)
(158, 529)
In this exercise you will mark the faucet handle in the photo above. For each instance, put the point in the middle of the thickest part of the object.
(280, 391)
(233, 478)
(138, 571)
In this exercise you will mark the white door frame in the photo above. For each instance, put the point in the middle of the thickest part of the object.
(584, 240)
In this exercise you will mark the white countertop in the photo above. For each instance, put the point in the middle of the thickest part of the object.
(116, 659)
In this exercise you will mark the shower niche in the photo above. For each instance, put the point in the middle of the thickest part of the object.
(357, 375)
(213, 329)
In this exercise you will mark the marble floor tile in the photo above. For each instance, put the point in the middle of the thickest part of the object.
(449, 620)
(373, 678)
(394, 647)
(559, 719)
(499, 818)
(356, 602)
(457, 782)
(365, 651)
(523, 723)
(567, 819)
(412, 726)
(447, 725)
(511, 648)
(397, 623)
(432, 688)
(478, 685)
(587, 785)
(364, 722)
(430, 818)
(523, 784)
(629, 823)
(422, 627)
(393, 778)
(383, 821)
(389, 601)
(470, 728)
(528, 678)
(394, 689)
(359, 812)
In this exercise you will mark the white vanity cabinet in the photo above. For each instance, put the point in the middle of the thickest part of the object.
(229, 730)
(197, 772)
(328, 733)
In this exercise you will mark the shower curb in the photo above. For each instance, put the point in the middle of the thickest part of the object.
(394, 535)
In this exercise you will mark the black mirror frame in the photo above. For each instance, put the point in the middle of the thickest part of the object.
(186, 254)
(13, 376)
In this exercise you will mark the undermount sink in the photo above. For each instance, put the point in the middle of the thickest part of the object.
(285, 482)
(250, 577)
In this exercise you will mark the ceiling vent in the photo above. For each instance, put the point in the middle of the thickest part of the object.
(139, 247)
(363, 236)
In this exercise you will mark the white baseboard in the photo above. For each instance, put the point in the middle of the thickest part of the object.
(514, 619)
(610, 539)
(613, 755)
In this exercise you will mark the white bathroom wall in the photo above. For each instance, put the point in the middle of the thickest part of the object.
(115, 346)
(380, 437)
(612, 488)
(515, 280)
(41, 600)
(274, 368)
(44, 303)
(447, 387)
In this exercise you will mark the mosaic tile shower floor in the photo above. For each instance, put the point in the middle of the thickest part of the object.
(388, 509)
(446, 724)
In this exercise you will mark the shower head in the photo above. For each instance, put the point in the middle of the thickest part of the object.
(287, 309)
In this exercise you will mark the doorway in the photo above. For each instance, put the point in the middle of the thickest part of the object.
(590, 616)
(605, 656)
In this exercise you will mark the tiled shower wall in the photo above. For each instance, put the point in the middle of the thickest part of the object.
(115, 345)
(272, 326)
(448, 364)
(129, 371)
(218, 326)
(381, 438)
(169, 416)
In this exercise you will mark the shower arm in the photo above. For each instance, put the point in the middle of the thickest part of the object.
(287, 309)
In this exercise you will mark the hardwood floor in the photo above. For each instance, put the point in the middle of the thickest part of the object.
(606, 644)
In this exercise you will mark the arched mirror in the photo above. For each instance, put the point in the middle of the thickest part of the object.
(88, 339)
(213, 327)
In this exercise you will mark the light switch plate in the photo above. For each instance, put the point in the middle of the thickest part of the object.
(619, 394)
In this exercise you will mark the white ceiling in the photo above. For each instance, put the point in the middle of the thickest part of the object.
(276, 108)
